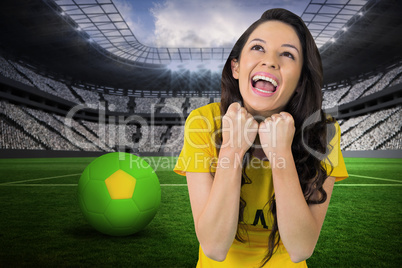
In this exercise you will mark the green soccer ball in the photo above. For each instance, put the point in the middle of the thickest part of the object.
(119, 194)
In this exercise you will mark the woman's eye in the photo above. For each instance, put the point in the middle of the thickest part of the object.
(289, 55)
(257, 47)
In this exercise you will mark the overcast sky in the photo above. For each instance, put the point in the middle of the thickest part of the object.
(196, 23)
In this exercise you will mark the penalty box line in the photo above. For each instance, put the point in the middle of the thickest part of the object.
(21, 183)
(181, 185)
(64, 185)
(38, 179)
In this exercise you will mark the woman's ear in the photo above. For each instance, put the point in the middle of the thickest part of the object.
(299, 87)
(235, 68)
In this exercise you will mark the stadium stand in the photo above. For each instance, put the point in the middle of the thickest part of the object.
(370, 131)
(196, 103)
(12, 137)
(38, 121)
(396, 81)
(85, 132)
(331, 98)
(90, 98)
(357, 90)
(68, 133)
(351, 123)
(112, 135)
(175, 139)
(36, 129)
(43, 83)
(173, 105)
(151, 139)
(393, 143)
(362, 88)
(385, 81)
(144, 105)
(117, 103)
(7, 70)
(49, 138)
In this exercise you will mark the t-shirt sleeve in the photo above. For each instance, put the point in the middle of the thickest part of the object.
(336, 164)
(198, 150)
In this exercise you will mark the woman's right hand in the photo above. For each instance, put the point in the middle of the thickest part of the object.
(239, 129)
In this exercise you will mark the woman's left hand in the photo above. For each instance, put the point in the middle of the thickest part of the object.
(276, 134)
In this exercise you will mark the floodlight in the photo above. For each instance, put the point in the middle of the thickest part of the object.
(214, 66)
(175, 66)
(193, 66)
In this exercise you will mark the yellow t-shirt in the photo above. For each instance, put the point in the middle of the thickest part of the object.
(197, 154)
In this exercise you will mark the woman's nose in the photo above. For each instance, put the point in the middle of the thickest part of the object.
(270, 61)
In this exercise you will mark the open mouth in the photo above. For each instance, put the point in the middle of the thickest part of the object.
(264, 84)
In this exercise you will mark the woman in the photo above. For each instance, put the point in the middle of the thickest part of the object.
(258, 191)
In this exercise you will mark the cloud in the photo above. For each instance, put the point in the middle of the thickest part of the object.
(137, 20)
(208, 23)
(192, 23)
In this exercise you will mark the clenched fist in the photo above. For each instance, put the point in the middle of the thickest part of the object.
(239, 129)
(276, 134)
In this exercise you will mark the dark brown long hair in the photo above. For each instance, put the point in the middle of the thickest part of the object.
(304, 105)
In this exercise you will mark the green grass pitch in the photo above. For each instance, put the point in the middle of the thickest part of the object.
(41, 223)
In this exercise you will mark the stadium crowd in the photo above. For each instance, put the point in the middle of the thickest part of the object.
(117, 103)
(90, 98)
(384, 81)
(357, 90)
(369, 132)
(35, 129)
(7, 70)
(173, 105)
(394, 143)
(144, 105)
(366, 87)
(11, 137)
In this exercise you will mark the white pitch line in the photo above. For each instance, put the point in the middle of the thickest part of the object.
(374, 178)
(38, 185)
(40, 179)
(52, 185)
(20, 183)
(173, 185)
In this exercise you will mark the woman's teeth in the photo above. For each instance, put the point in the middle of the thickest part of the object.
(260, 77)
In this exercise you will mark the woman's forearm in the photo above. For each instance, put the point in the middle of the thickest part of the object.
(298, 228)
(217, 224)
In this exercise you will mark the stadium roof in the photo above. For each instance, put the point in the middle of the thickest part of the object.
(91, 42)
(368, 41)
(106, 26)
